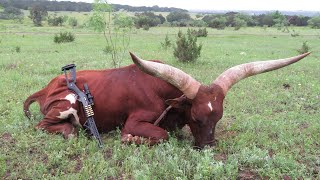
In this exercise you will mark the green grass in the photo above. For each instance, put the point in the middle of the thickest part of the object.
(267, 130)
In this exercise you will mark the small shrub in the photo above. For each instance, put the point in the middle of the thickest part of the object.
(239, 23)
(187, 49)
(18, 49)
(294, 33)
(167, 43)
(265, 27)
(107, 49)
(200, 33)
(55, 20)
(304, 48)
(199, 16)
(198, 23)
(64, 37)
(73, 22)
(146, 27)
(314, 22)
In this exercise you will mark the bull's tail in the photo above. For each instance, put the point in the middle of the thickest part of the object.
(34, 97)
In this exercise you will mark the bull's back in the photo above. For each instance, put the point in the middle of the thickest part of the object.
(121, 92)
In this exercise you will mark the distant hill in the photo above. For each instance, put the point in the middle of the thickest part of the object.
(79, 6)
(253, 12)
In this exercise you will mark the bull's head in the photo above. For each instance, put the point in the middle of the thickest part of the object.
(204, 104)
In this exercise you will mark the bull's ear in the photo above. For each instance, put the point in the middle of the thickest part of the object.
(179, 103)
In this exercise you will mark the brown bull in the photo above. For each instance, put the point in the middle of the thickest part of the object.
(132, 100)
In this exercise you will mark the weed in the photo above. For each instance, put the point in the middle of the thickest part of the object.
(64, 37)
(167, 43)
(18, 49)
(304, 48)
(107, 49)
(294, 33)
(200, 33)
(73, 22)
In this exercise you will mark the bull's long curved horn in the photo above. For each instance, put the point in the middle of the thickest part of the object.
(181, 80)
(231, 76)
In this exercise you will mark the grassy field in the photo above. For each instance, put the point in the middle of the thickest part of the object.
(270, 128)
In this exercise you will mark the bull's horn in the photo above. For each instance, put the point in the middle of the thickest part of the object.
(181, 80)
(231, 76)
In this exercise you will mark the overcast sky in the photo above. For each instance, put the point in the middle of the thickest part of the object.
(313, 5)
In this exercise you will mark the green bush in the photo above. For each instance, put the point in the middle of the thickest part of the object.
(187, 49)
(294, 33)
(55, 20)
(238, 23)
(64, 37)
(146, 27)
(148, 19)
(198, 23)
(314, 22)
(107, 49)
(218, 22)
(167, 43)
(73, 22)
(200, 33)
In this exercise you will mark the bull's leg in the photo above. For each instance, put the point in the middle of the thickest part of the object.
(61, 118)
(139, 132)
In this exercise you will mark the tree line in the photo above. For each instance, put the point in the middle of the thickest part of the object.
(146, 18)
(230, 19)
(78, 6)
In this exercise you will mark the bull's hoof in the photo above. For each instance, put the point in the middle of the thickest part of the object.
(127, 138)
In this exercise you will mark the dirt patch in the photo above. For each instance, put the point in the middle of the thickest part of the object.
(303, 125)
(7, 138)
(45, 159)
(271, 153)
(224, 134)
(316, 171)
(310, 109)
(220, 157)
(247, 174)
(11, 66)
(108, 154)
(79, 165)
(8, 172)
(285, 177)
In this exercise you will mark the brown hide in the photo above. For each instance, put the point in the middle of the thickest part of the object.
(124, 97)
